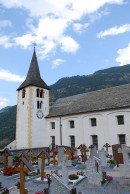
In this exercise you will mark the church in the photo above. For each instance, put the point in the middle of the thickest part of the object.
(92, 118)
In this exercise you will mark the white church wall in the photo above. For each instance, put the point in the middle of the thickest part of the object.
(53, 132)
(39, 132)
(107, 128)
(22, 120)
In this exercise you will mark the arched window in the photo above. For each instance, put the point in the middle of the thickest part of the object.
(23, 93)
(39, 104)
(37, 92)
(41, 93)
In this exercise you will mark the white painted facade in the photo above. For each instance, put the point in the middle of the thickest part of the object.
(106, 129)
(31, 130)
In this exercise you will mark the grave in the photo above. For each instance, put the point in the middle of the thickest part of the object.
(23, 166)
(43, 156)
(60, 154)
(69, 151)
(125, 151)
(64, 173)
(102, 155)
(93, 153)
(93, 171)
(54, 153)
(124, 169)
(83, 151)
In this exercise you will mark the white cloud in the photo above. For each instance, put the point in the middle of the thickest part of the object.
(3, 102)
(54, 17)
(80, 28)
(8, 76)
(46, 48)
(114, 31)
(57, 63)
(24, 40)
(68, 44)
(5, 41)
(124, 56)
(5, 23)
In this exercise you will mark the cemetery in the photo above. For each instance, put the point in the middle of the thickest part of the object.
(65, 170)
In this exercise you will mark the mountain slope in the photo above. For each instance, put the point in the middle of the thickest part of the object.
(7, 125)
(80, 84)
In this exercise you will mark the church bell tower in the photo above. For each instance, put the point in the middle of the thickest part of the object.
(32, 108)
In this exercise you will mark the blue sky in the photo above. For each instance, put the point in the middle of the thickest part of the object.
(73, 37)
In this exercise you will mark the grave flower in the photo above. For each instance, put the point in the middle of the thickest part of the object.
(39, 192)
(107, 179)
(9, 171)
(6, 191)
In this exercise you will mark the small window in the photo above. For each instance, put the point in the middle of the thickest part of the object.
(93, 122)
(23, 93)
(95, 140)
(71, 124)
(122, 139)
(39, 104)
(120, 119)
(53, 141)
(72, 141)
(37, 93)
(41, 93)
(52, 125)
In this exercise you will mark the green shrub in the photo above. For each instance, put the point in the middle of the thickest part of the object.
(73, 177)
(112, 162)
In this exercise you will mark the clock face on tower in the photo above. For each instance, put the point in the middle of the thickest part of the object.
(39, 114)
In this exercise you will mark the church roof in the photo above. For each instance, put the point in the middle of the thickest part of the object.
(33, 77)
(105, 99)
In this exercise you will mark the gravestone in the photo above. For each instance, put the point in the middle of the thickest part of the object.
(93, 152)
(118, 157)
(68, 163)
(125, 151)
(93, 171)
(64, 173)
(102, 155)
(64, 157)
(10, 160)
(60, 154)
(124, 171)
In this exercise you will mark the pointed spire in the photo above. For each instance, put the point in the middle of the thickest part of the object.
(33, 77)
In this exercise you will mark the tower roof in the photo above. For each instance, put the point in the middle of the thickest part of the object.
(33, 77)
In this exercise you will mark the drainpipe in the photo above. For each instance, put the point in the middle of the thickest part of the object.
(60, 132)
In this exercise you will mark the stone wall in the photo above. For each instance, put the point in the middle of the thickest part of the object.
(60, 187)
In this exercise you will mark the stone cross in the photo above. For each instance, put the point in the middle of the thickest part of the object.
(102, 154)
(23, 166)
(93, 171)
(43, 155)
(64, 172)
(93, 152)
(60, 154)
(125, 151)
(106, 146)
